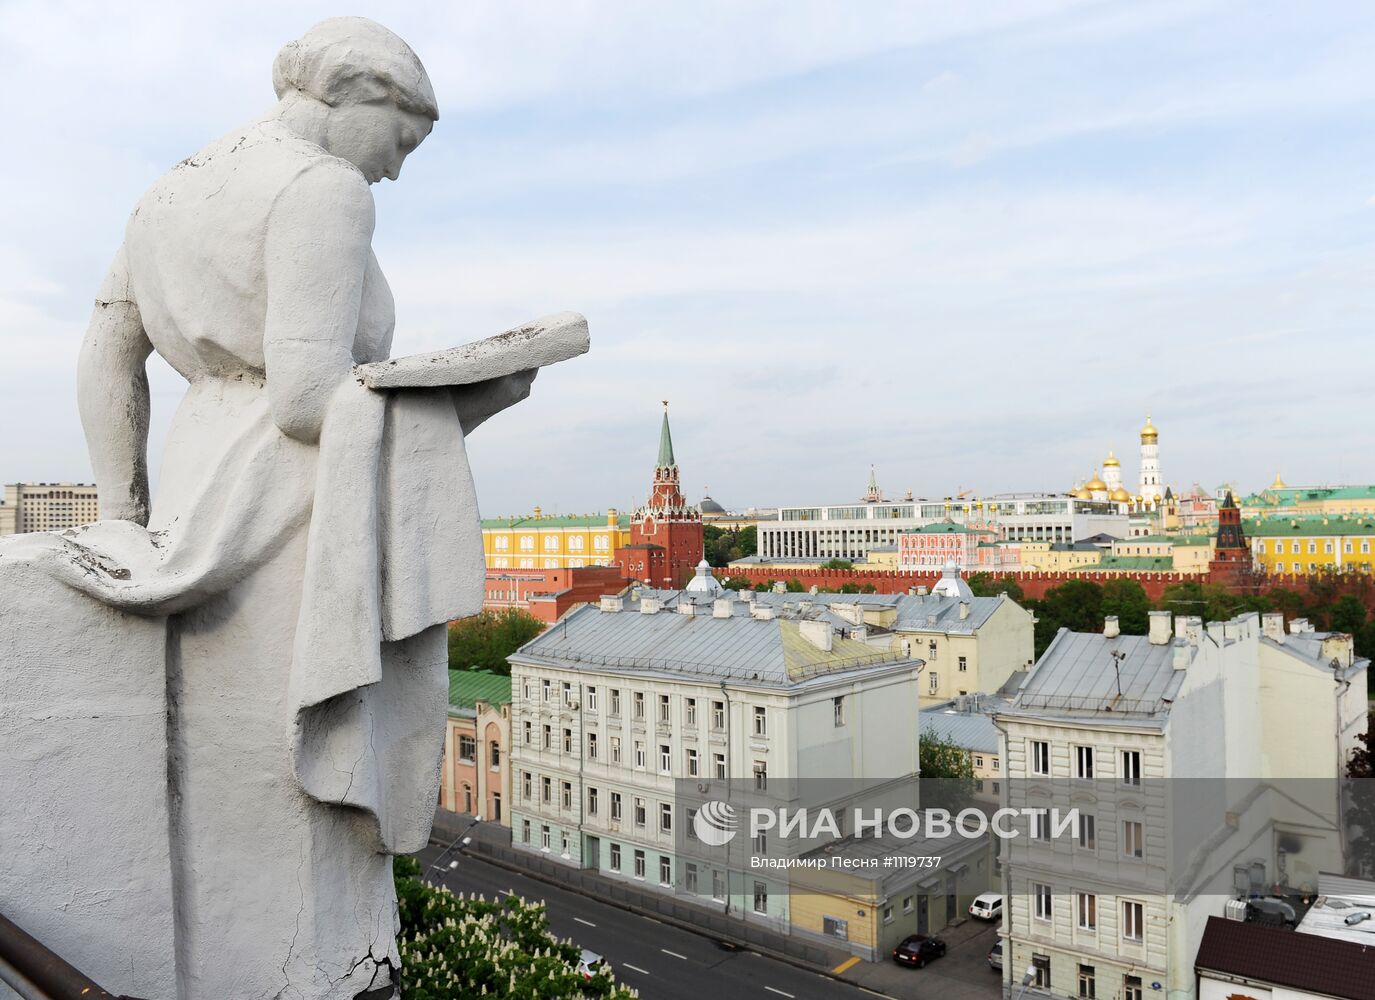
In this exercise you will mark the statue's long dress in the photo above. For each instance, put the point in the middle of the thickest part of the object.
(304, 590)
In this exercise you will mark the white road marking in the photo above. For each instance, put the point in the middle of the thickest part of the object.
(674, 954)
(508, 892)
(634, 968)
(586, 923)
(780, 993)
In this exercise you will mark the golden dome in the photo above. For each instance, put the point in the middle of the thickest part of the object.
(1110, 460)
(1149, 434)
(1095, 485)
(1120, 495)
(1279, 483)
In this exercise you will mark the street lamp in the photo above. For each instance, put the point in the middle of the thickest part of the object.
(1027, 980)
(462, 840)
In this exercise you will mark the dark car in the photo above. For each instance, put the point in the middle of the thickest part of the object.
(918, 949)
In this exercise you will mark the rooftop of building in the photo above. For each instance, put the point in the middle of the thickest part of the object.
(468, 687)
(1135, 564)
(1256, 953)
(1339, 896)
(555, 521)
(1172, 539)
(1312, 524)
(966, 722)
(948, 528)
(651, 634)
(1275, 497)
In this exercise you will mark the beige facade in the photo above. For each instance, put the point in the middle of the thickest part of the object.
(477, 774)
(965, 659)
(47, 507)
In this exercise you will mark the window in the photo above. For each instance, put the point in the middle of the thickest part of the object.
(838, 710)
(1083, 763)
(931, 648)
(638, 706)
(639, 864)
(529, 730)
(761, 721)
(760, 844)
(665, 758)
(546, 784)
(1041, 901)
(933, 681)
(761, 898)
(615, 749)
(1041, 963)
(591, 801)
(1086, 903)
(614, 859)
(591, 746)
(591, 699)
(835, 927)
(993, 763)
(525, 782)
(496, 807)
(640, 754)
(563, 843)
(1131, 988)
(906, 904)
(548, 737)
(964, 663)
(616, 701)
(467, 748)
(887, 914)
(718, 887)
(1132, 921)
(665, 818)
(663, 708)
(761, 775)
(639, 812)
(720, 766)
(690, 711)
(544, 689)
(1040, 825)
(1131, 767)
(1086, 984)
(718, 715)
(566, 796)
(544, 837)
(1132, 845)
(1040, 757)
(691, 756)
(665, 871)
(616, 807)
(1294, 547)
(525, 831)
(1088, 837)
(568, 741)
(978, 761)
(690, 877)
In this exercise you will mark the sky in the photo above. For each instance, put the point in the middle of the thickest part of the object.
(970, 244)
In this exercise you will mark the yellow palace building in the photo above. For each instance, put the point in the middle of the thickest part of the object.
(540, 541)
(1301, 545)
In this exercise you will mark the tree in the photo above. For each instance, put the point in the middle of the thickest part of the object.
(988, 585)
(1360, 813)
(736, 583)
(467, 946)
(1127, 599)
(1075, 604)
(1348, 615)
(947, 772)
(794, 586)
(837, 564)
(485, 640)
(722, 546)
(849, 588)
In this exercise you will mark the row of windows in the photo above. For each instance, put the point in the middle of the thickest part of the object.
(1328, 546)
(1312, 567)
(576, 543)
(1131, 927)
(1133, 840)
(1082, 764)
(591, 702)
(1087, 980)
(467, 751)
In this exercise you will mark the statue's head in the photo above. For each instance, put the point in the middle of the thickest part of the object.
(369, 94)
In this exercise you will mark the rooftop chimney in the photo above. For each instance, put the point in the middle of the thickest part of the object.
(650, 605)
(762, 612)
(612, 603)
(1183, 653)
(720, 608)
(1111, 628)
(1272, 624)
(1300, 625)
(922, 591)
(1339, 647)
(687, 608)
(747, 595)
(1160, 628)
(964, 610)
(818, 634)
(780, 588)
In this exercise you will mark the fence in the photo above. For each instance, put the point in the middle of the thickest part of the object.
(492, 842)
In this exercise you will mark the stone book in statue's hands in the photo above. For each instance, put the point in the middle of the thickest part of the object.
(544, 341)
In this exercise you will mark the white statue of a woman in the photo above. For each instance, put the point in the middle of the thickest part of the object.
(309, 537)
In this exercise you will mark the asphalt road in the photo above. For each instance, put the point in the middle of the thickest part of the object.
(661, 961)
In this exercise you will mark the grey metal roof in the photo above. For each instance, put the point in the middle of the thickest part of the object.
(1075, 677)
(739, 648)
(1307, 646)
(971, 730)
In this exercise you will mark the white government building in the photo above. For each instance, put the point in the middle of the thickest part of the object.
(27, 507)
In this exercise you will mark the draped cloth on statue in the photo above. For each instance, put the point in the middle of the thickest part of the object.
(388, 485)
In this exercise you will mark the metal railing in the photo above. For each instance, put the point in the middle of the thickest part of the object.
(36, 972)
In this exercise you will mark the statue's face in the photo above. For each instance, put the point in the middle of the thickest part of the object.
(376, 137)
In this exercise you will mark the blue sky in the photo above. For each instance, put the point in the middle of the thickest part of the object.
(971, 244)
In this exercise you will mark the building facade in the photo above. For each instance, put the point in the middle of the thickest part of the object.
(476, 774)
(1281, 500)
(543, 541)
(548, 594)
(666, 534)
(30, 507)
(1337, 543)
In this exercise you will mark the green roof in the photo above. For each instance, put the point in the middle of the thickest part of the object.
(547, 521)
(1135, 563)
(1291, 494)
(945, 528)
(468, 687)
(1269, 527)
(1172, 539)
(665, 444)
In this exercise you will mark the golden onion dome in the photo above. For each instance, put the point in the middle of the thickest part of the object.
(1095, 485)
(1120, 495)
(1082, 493)
(1149, 434)
(1111, 460)
(1279, 483)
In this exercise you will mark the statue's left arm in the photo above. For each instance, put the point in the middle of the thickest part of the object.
(112, 395)
(476, 402)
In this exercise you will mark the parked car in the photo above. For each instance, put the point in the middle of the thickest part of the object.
(918, 949)
(995, 956)
(590, 964)
(988, 906)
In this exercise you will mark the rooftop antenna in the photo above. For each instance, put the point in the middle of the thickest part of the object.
(1117, 657)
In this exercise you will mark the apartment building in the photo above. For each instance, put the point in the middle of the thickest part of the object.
(27, 507)
(1181, 751)
(476, 777)
(623, 706)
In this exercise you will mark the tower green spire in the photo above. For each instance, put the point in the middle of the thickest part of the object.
(665, 443)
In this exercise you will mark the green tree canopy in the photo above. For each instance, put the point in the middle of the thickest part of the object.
(988, 585)
(947, 772)
(724, 545)
(1127, 599)
(486, 639)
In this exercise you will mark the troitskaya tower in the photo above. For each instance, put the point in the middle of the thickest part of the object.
(1150, 490)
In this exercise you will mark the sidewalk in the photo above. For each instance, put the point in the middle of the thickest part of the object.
(963, 974)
